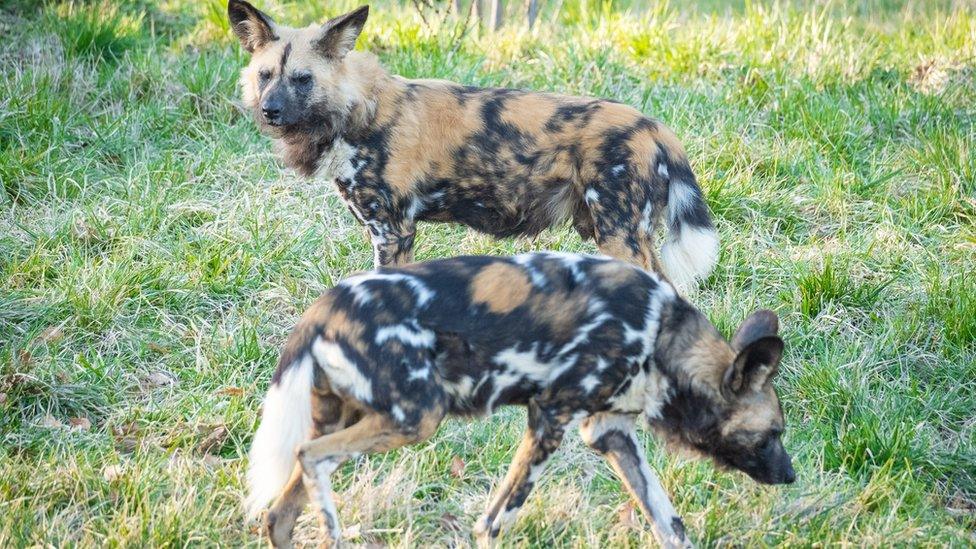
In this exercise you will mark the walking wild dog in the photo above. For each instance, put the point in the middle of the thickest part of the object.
(378, 361)
(505, 162)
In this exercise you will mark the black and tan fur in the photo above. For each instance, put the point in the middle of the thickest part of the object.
(505, 162)
(382, 358)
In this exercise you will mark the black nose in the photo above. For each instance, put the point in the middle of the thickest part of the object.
(271, 113)
(790, 476)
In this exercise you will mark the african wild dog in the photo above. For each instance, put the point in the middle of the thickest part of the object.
(378, 361)
(505, 162)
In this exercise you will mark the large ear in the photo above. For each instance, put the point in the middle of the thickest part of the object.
(253, 28)
(759, 351)
(339, 35)
(762, 323)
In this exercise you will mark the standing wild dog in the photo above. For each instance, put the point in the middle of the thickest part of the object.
(378, 361)
(504, 162)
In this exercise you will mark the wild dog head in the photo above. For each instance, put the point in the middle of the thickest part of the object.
(723, 403)
(298, 83)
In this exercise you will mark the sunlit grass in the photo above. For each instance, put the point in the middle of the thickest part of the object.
(153, 257)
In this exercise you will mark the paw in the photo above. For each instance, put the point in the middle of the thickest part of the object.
(483, 532)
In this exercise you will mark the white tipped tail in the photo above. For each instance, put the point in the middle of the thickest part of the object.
(285, 423)
(690, 251)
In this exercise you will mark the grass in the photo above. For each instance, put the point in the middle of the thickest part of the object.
(153, 257)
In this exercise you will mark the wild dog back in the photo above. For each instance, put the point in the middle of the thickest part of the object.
(474, 333)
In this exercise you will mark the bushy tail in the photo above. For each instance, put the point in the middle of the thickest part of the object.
(285, 423)
(690, 250)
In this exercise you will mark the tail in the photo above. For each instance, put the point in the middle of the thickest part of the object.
(285, 423)
(691, 248)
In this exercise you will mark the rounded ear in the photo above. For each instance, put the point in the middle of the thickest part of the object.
(753, 367)
(252, 26)
(339, 35)
(760, 324)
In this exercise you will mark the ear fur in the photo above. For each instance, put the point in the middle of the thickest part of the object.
(252, 26)
(339, 34)
(759, 350)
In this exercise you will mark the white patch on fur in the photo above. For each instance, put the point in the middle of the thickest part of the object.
(591, 196)
(286, 419)
(461, 390)
(501, 381)
(598, 425)
(398, 413)
(407, 334)
(419, 373)
(646, 223)
(662, 170)
(423, 293)
(589, 383)
(648, 392)
(691, 256)
(525, 261)
(525, 363)
(414, 208)
(618, 170)
(341, 371)
(336, 163)
(689, 252)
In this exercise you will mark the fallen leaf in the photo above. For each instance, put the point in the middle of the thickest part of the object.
(3, 398)
(627, 515)
(352, 532)
(211, 460)
(231, 391)
(160, 379)
(51, 334)
(126, 439)
(51, 422)
(24, 357)
(63, 377)
(213, 439)
(450, 521)
(157, 348)
(457, 467)
(111, 472)
(80, 423)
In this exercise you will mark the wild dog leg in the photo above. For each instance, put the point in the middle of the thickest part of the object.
(542, 438)
(329, 415)
(286, 509)
(623, 223)
(392, 248)
(612, 435)
(374, 433)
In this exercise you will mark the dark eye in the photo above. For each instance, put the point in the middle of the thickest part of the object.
(264, 75)
(301, 79)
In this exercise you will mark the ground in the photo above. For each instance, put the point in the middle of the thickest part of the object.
(154, 255)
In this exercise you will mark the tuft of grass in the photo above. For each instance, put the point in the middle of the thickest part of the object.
(94, 29)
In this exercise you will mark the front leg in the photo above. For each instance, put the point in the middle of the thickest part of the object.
(613, 436)
(391, 248)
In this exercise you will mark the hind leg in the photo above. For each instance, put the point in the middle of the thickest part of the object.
(622, 222)
(329, 416)
(375, 432)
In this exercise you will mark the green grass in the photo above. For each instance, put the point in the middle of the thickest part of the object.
(153, 257)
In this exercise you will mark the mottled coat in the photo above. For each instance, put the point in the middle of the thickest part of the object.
(505, 162)
(379, 360)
